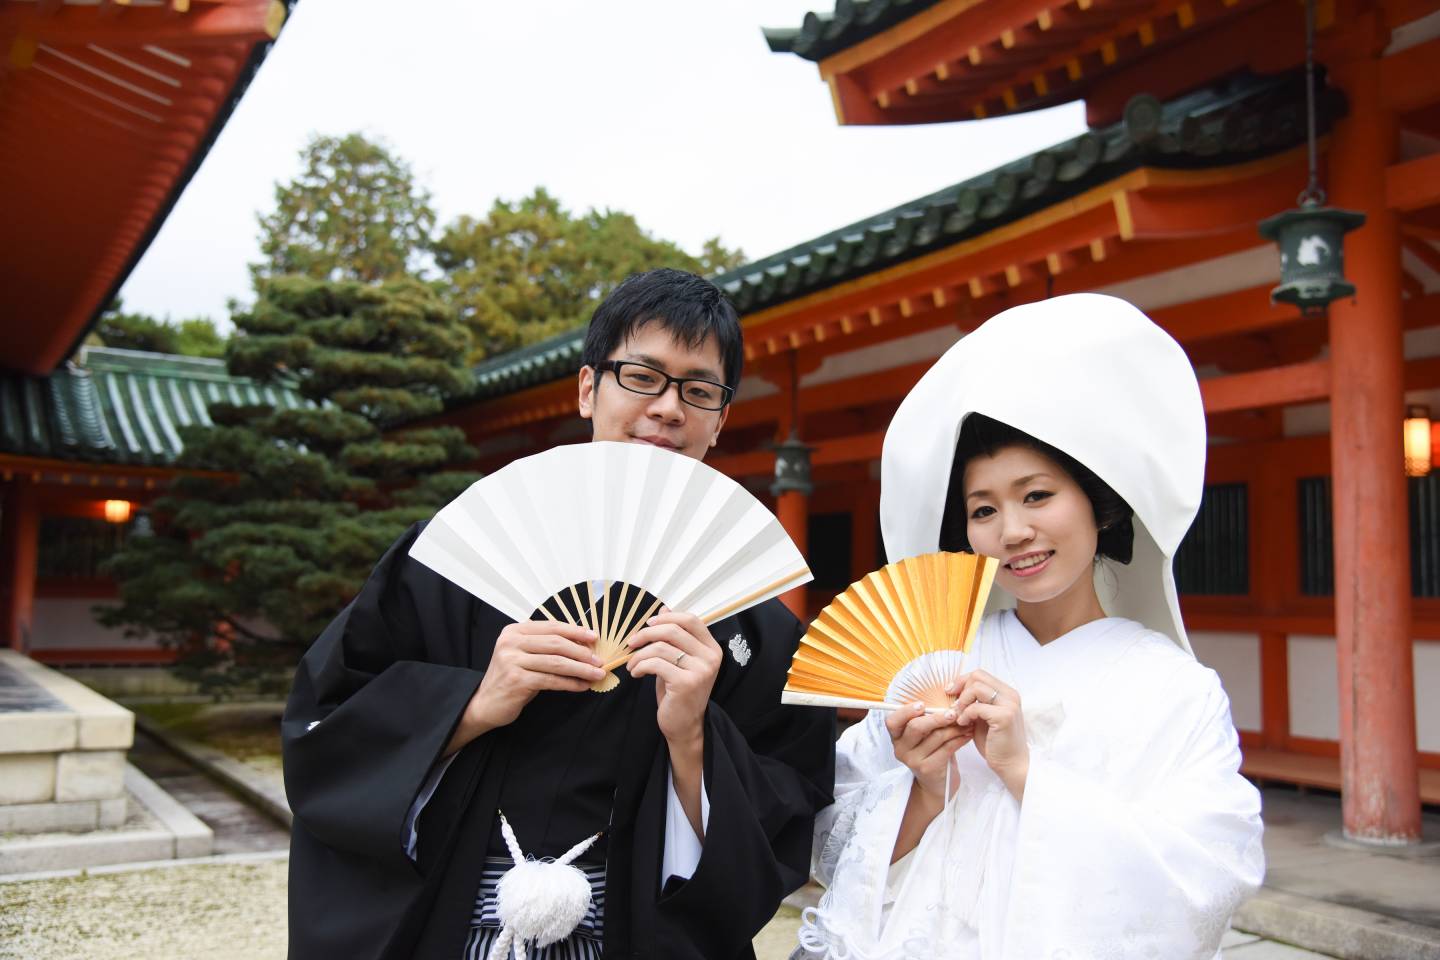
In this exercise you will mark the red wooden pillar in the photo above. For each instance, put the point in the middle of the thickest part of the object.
(792, 486)
(1379, 774)
(19, 541)
(793, 509)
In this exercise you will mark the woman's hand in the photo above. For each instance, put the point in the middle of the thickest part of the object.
(990, 712)
(926, 743)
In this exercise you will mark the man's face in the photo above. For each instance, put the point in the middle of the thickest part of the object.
(664, 420)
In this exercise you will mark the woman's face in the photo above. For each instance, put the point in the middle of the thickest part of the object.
(1028, 513)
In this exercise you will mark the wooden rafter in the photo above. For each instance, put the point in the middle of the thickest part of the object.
(100, 129)
(111, 23)
(981, 57)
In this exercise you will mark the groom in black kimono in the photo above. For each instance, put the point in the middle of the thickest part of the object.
(421, 711)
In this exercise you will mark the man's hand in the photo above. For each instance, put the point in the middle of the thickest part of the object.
(530, 656)
(678, 651)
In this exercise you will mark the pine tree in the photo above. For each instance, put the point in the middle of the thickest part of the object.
(251, 559)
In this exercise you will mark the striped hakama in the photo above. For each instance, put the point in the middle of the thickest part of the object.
(585, 943)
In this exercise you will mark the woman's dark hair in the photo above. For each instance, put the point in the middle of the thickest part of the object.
(983, 436)
(689, 307)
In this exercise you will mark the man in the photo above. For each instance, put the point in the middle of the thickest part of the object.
(421, 712)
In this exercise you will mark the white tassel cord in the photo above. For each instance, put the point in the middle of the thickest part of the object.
(538, 901)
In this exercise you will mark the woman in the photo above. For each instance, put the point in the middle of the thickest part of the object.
(1082, 798)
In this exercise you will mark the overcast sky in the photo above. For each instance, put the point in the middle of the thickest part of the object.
(672, 110)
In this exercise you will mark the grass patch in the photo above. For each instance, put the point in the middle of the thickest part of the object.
(246, 731)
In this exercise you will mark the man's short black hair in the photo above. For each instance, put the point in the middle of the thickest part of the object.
(689, 307)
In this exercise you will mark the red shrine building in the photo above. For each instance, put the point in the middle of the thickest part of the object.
(106, 111)
(1311, 578)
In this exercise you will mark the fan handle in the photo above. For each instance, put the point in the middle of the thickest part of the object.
(798, 699)
(715, 616)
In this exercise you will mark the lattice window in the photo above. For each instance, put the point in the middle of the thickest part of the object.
(1214, 557)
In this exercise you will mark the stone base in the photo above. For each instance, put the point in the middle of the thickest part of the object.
(76, 815)
(154, 827)
(62, 751)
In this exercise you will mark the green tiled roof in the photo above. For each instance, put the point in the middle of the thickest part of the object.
(121, 406)
(1242, 119)
(821, 34)
(538, 363)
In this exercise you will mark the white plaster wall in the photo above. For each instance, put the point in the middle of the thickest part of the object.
(1236, 657)
(67, 623)
(1427, 695)
(1315, 690)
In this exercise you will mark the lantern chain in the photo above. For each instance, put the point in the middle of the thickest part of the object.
(1312, 195)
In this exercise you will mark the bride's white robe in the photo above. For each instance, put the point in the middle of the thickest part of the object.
(1136, 838)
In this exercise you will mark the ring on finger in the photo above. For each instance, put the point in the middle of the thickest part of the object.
(993, 695)
(682, 656)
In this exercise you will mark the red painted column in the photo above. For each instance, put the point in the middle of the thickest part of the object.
(793, 509)
(1379, 773)
(19, 541)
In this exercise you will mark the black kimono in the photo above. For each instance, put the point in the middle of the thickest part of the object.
(377, 698)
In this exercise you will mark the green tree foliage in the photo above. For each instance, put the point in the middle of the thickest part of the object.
(354, 212)
(196, 337)
(531, 269)
(715, 258)
(287, 508)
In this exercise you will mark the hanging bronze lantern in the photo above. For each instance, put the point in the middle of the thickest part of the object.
(1312, 237)
(1312, 254)
(792, 467)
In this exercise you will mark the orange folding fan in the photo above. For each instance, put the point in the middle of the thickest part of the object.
(897, 636)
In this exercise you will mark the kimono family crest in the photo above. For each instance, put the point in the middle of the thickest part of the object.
(740, 649)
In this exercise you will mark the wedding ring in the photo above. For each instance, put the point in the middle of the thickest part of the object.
(993, 696)
(679, 658)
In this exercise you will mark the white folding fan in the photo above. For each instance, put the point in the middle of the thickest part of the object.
(897, 636)
(600, 534)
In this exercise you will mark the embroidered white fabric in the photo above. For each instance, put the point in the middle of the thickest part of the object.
(1137, 835)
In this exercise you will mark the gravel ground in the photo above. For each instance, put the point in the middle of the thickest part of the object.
(224, 911)
(213, 911)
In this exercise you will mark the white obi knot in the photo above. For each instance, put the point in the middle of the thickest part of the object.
(538, 901)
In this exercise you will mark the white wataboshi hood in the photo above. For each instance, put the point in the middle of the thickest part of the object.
(1090, 375)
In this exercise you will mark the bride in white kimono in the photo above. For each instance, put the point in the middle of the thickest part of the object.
(1095, 808)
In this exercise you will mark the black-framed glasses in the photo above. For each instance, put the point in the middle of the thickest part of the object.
(643, 378)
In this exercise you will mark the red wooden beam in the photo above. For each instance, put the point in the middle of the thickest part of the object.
(1413, 184)
(1422, 374)
(1229, 313)
(1277, 386)
(1170, 213)
(1409, 80)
